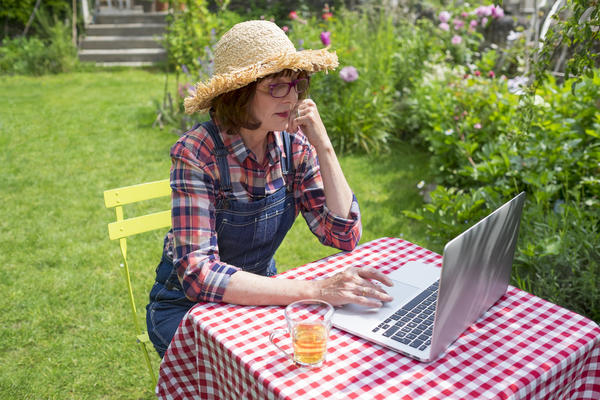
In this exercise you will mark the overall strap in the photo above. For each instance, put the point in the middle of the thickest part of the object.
(221, 153)
(288, 167)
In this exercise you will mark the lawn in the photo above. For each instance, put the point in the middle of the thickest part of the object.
(65, 326)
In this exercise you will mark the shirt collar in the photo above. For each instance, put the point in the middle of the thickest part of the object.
(236, 146)
(274, 147)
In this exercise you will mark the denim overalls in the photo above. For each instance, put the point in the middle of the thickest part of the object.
(248, 235)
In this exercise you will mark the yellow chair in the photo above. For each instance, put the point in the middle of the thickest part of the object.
(122, 228)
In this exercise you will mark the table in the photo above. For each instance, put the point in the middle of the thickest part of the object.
(523, 348)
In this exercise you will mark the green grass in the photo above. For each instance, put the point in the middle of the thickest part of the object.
(65, 328)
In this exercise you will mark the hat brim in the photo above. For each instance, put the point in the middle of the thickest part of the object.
(304, 60)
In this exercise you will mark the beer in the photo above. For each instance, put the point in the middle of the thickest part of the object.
(310, 343)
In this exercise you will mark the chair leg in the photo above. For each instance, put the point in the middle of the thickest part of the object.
(149, 365)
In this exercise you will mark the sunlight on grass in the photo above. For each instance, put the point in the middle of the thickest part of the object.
(65, 329)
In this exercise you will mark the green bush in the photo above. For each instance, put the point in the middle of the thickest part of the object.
(15, 13)
(555, 158)
(191, 35)
(25, 56)
(53, 53)
(380, 60)
(358, 99)
(192, 30)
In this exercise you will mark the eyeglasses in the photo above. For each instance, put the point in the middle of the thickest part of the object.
(279, 90)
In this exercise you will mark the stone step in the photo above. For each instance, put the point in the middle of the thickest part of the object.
(104, 9)
(126, 64)
(131, 18)
(123, 55)
(121, 42)
(134, 29)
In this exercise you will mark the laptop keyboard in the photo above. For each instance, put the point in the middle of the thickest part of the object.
(413, 323)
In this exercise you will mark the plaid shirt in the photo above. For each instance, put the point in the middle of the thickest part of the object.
(195, 181)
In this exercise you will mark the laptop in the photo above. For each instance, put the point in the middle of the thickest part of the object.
(432, 306)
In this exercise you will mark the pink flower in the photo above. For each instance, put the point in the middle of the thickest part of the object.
(458, 23)
(327, 15)
(484, 11)
(293, 15)
(326, 38)
(444, 16)
(477, 73)
(456, 39)
(186, 89)
(484, 21)
(464, 14)
(349, 74)
(473, 24)
(492, 74)
(285, 28)
(477, 126)
(444, 26)
(497, 12)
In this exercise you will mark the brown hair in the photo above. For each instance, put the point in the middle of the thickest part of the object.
(232, 109)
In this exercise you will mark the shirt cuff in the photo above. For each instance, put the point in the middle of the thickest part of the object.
(216, 281)
(341, 225)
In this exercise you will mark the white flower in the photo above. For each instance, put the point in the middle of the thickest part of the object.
(420, 185)
(512, 35)
(517, 84)
(539, 101)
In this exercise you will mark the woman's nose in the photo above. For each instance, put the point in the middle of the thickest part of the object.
(292, 95)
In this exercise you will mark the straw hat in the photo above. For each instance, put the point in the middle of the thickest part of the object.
(251, 50)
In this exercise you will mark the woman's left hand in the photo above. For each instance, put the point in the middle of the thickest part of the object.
(306, 116)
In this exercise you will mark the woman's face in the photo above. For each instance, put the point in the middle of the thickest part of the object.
(274, 113)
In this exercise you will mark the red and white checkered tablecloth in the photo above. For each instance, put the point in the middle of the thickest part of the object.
(522, 348)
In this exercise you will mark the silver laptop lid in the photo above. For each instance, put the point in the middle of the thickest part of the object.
(476, 270)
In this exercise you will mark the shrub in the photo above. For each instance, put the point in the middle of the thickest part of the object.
(26, 56)
(556, 160)
(53, 53)
(358, 99)
(190, 36)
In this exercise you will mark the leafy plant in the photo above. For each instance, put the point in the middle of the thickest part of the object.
(556, 161)
(52, 53)
(191, 34)
(576, 29)
(361, 97)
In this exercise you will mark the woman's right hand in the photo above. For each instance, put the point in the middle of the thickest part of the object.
(354, 285)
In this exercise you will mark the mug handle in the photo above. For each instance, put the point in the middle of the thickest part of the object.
(272, 337)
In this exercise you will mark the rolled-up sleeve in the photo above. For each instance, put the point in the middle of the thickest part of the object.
(331, 230)
(196, 256)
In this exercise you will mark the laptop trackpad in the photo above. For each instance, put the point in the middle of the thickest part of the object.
(363, 316)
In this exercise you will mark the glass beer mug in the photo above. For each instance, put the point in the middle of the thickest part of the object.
(309, 322)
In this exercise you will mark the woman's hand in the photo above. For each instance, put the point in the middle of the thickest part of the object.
(354, 285)
(338, 195)
(306, 116)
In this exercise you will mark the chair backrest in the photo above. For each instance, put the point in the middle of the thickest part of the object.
(123, 227)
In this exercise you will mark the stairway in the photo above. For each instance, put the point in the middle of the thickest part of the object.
(124, 38)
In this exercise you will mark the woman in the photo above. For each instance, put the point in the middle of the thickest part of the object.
(239, 181)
